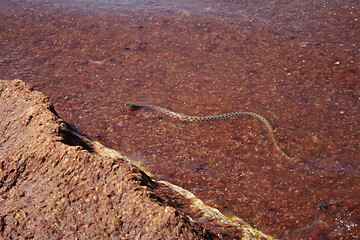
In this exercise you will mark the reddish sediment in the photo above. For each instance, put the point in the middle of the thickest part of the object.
(296, 63)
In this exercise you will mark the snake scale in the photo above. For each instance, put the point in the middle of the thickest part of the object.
(188, 118)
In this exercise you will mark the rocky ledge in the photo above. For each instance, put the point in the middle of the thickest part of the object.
(53, 184)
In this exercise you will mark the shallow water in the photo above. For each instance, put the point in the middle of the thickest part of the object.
(295, 63)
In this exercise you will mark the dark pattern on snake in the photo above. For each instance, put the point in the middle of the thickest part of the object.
(188, 118)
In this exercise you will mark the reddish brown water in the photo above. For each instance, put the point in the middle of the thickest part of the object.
(294, 62)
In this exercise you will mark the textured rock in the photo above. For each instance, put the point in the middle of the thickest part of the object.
(52, 186)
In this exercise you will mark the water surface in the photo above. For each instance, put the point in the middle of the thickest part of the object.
(295, 63)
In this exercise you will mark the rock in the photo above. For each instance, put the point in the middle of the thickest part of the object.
(57, 183)
(52, 185)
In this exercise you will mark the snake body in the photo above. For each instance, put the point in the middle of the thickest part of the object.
(188, 118)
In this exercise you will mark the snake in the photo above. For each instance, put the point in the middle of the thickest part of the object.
(188, 118)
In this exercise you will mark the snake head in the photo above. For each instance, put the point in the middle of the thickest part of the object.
(132, 106)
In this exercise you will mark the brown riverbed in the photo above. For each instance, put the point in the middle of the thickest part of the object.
(295, 63)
